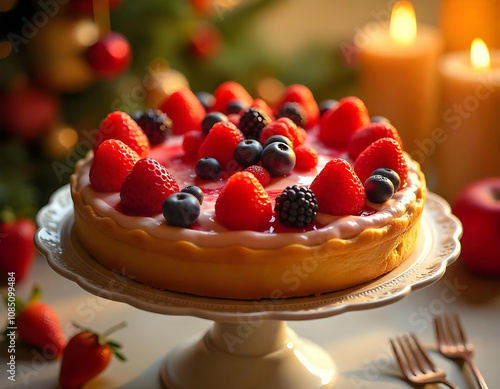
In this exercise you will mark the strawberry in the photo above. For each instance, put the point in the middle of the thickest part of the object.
(362, 138)
(260, 173)
(338, 124)
(285, 127)
(302, 95)
(17, 249)
(192, 142)
(338, 190)
(243, 204)
(113, 160)
(385, 152)
(185, 110)
(263, 106)
(229, 91)
(306, 158)
(220, 143)
(119, 125)
(146, 187)
(86, 356)
(38, 324)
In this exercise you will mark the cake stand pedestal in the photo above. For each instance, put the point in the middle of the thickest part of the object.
(249, 346)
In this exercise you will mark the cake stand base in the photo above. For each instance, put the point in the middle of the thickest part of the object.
(264, 354)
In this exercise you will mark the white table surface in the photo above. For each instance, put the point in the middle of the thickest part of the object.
(357, 341)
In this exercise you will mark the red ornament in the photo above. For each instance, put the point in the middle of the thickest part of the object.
(206, 42)
(110, 57)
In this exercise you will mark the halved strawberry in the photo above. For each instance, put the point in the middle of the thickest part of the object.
(220, 143)
(229, 91)
(146, 187)
(385, 152)
(243, 204)
(113, 160)
(185, 110)
(338, 189)
(302, 95)
(338, 124)
(119, 125)
(364, 137)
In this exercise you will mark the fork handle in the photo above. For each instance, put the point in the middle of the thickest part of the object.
(449, 384)
(477, 374)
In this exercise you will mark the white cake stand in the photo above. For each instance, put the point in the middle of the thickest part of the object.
(249, 346)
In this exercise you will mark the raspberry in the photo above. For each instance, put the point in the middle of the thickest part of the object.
(119, 125)
(192, 142)
(185, 110)
(243, 204)
(296, 206)
(307, 158)
(220, 144)
(338, 124)
(252, 122)
(112, 162)
(260, 173)
(155, 124)
(362, 138)
(338, 190)
(303, 96)
(229, 91)
(285, 127)
(146, 187)
(386, 153)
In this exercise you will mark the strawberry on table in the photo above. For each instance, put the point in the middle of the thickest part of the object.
(303, 96)
(229, 91)
(364, 137)
(86, 356)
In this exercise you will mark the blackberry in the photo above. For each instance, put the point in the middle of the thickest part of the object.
(155, 124)
(296, 206)
(294, 112)
(252, 122)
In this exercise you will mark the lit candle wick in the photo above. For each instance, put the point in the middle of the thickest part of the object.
(479, 55)
(403, 26)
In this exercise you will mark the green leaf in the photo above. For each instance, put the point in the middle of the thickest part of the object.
(120, 356)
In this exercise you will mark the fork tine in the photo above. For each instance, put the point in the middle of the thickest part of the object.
(417, 354)
(424, 353)
(399, 357)
(447, 330)
(406, 347)
(460, 329)
(441, 337)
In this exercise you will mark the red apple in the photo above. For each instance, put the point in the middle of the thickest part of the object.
(478, 208)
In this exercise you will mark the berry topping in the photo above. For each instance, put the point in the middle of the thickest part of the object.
(119, 125)
(229, 91)
(206, 99)
(155, 124)
(307, 158)
(378, 189)
(184, 109)
(364, 137)
(146, 187)
(192, 142)
(293, 111)
(325, 105)
(390, 174)
(285, 127)
(252, 122)
(181, 209)
(248, 152)
(278, 158)
(235, 106)
(195, 191)
(243, 204)
(296, 206)
(260, 173)
(234, 118)
(338, 190)
(385, 152)
(262, 105)
(113, 160)
(220, 144)
(277, 138)
(207, 168)
(208, 121)
(379, 119)
(338, 124)
(302, 95)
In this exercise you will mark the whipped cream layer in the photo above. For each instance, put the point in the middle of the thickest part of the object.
(210, 233)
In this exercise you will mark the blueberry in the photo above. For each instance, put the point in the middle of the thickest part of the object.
(195, 191)
(234, 106)
(325, 105)
(213, 117)
(206, 99)
(277, 138)
(207, 168)
(379, 119)
(378, 189)
(248, 152)
(390, 174)
(278, 158)
(181, 209)
(294, 112)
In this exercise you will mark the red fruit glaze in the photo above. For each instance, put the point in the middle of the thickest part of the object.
(338, 124)
(365, 136)
(229, 91)
(306, 158)
(260, 173)
(119, 125)
(192, 142)
(302, 95)
(185, 110)
(113, 160)
(338, 190)
(243, 204)
(385, 152)
(146, 187)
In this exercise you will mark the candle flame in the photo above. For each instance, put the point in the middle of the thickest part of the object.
(403, 26)
(479, 54)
